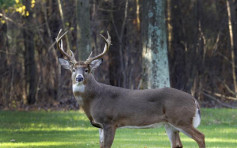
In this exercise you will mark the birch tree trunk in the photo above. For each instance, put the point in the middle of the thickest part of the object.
(155, 58)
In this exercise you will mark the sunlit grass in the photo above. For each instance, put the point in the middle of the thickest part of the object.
(72, 129)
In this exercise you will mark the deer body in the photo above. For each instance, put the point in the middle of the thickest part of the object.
(109, 107)
(124, 107)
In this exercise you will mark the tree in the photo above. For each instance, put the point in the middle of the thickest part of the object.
(233, 39)
(155, 58)
(29, 57)
(83, 28)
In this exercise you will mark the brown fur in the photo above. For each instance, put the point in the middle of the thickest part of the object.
(116, 107)
(109, 107)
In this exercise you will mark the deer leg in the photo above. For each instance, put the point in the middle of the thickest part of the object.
(178, 142)
(108, 136)
(173, 135)
(195, 134)
(101, 133)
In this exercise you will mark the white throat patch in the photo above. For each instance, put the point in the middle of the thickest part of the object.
(78, 87)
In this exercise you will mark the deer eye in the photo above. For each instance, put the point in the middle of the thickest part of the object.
(73, 70)
(86, 70)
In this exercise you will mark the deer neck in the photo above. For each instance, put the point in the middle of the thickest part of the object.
(85, 92)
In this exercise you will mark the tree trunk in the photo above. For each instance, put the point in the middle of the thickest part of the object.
(177, 54)
(4, 66)
(30, 67)
(233, 46)
(83, 28)
(155, 59)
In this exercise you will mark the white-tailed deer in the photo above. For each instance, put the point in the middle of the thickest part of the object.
(109, 107)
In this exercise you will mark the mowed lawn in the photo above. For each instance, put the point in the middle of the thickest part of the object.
(72, 129)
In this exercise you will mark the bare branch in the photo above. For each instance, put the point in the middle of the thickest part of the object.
(228, 88)
(221, 95)
(218, 101)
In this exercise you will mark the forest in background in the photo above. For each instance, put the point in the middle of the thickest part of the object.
(201, 41)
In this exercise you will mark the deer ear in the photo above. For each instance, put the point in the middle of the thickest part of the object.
(65, 64)
(96, 63)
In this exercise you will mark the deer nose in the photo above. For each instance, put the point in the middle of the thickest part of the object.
(79, 78)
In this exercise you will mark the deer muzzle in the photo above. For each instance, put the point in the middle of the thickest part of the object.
(79, 78)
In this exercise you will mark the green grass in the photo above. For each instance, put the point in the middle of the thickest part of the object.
(72, 129)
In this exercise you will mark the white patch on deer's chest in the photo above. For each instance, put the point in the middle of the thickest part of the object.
(78, 88)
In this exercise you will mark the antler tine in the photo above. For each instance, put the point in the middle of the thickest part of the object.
(60, 43)
(60, 46)
(90, 55)
(73, 56)
(106, 48)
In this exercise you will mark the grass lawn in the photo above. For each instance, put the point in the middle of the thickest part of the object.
(72, 129)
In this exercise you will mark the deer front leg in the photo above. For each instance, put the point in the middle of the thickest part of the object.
(101, 133)
(107, 136)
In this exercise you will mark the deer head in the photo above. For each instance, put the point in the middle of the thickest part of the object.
(81, 69)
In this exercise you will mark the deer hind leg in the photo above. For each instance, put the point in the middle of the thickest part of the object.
(177, 140)
(173, 135)
(195, 134)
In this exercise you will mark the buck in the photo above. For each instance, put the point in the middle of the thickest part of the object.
(109, 107)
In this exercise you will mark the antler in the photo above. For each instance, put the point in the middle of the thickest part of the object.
(106, 48)
(60, 47)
